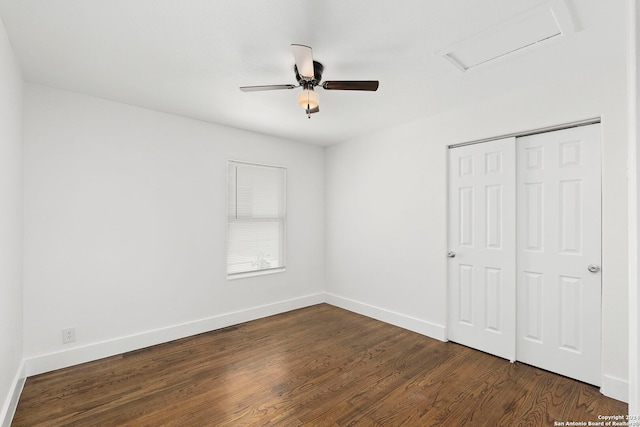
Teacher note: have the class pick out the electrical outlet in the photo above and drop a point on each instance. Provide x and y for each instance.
(68, 335)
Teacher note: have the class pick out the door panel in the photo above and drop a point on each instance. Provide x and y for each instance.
(533, 218)
(482, 234)
(559, 235)
(533, 311)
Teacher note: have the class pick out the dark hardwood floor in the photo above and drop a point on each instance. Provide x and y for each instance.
(319, 366)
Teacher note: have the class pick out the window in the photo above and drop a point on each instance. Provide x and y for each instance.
(256, 219)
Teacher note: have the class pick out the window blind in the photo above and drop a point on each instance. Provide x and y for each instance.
(256, 218)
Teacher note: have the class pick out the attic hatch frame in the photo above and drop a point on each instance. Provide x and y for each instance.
(539, 25)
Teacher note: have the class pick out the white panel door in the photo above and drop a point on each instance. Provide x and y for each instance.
(482, 278)
(559, 226)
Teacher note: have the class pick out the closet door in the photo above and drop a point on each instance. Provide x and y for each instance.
(558, 256)
(482, 263)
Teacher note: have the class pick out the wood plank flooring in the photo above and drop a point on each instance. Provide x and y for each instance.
(318, 366)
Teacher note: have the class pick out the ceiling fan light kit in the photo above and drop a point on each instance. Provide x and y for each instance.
(308, 99)
(308, 75)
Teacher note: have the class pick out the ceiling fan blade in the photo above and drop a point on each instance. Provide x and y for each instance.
(371, 85)
(266, 87)
(304, 60)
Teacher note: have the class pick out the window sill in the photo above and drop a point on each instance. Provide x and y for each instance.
(255, 273)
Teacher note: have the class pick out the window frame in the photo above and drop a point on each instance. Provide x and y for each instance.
(281, 220)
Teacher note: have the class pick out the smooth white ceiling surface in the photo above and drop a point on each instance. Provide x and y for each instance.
(189, 57)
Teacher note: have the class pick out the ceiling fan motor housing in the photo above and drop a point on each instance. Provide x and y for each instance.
(318, 68)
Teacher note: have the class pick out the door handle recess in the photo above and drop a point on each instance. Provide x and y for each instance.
(594, 268)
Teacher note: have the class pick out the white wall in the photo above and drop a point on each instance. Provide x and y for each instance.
(633, 42)
(386, 207)
(10, 223)
(125, 227)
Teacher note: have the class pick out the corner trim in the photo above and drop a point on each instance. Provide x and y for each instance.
(11, 403)
(77, 355)
(420, 326)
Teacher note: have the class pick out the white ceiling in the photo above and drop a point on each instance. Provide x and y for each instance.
(188, 57)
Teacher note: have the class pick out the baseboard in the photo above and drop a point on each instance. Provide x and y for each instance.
(9, 407)
(611, 386)
(615, 388)
(423, 327)
(77, 355)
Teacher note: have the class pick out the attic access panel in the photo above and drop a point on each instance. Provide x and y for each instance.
(538, 25)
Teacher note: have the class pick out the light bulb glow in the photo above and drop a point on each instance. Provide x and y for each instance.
(308, 99)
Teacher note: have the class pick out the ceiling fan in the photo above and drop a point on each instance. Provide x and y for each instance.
(308, 75)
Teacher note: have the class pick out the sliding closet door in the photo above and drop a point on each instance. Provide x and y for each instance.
(482, 244)
(559, 243)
